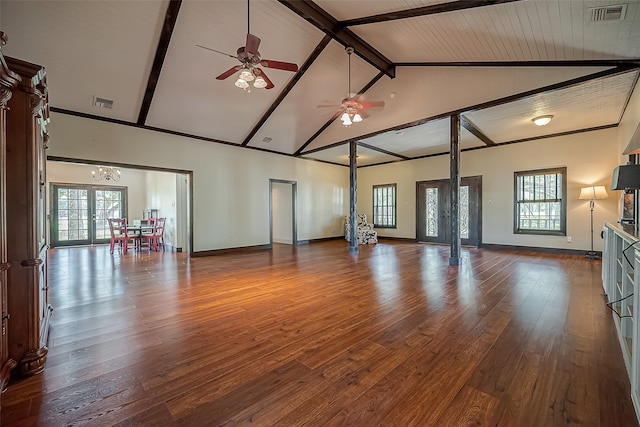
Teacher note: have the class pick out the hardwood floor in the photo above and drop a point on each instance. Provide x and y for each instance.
(313, 335)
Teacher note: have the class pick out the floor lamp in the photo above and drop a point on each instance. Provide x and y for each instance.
(593, 193)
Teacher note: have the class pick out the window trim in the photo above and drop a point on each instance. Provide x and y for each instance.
(563, 202)
(395, 205)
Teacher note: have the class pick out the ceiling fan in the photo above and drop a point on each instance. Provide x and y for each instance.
(250, 61)
(352, 108)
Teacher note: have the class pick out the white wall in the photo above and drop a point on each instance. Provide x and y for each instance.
(589, 158)
(230, 184)
(161, 195)
(69, 173)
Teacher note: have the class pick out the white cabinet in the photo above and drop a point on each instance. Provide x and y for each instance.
(620, 279)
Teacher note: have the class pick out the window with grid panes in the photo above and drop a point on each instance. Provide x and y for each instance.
(384, 206)
(540, 202)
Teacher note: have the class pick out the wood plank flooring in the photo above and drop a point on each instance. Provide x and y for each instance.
(316, 336)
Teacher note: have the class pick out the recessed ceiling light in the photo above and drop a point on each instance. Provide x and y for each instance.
(542, 120)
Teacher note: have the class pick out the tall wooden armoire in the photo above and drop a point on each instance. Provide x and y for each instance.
(8, 82)
(28, 306)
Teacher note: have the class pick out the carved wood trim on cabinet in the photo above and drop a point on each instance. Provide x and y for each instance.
(8, 82)
(27, 298)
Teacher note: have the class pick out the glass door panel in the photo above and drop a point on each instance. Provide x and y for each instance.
(79, 214)
(431, 198)
(434, 213)
(108, 205)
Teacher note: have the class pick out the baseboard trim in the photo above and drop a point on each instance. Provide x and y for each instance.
(398, 239)
(536, 249)
(320, 239)
(226, 251)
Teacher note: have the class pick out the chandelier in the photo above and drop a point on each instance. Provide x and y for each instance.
(105, 173)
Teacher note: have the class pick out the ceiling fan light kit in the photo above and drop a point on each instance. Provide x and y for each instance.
(352, 108)
(249, 57)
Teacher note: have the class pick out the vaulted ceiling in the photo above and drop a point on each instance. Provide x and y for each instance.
(497, 63)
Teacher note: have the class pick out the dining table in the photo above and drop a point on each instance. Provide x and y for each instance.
(138, 229)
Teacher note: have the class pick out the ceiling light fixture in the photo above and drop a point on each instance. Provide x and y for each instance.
(352, 109)
(105, 173)
(542, 120)
(350, 112)
(251, 62)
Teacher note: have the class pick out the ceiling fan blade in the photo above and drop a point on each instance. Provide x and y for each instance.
(252, 44)
(270, 84)
(372, 104)
(327, 105)
(231, 71)
(279, 65)
(364, 114)
(337, 114)
(217, 51)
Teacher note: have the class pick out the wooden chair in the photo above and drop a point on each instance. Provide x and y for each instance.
(156, 239)
(119, 234)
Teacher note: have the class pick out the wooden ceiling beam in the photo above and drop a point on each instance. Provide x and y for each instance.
(423, 11)
(170, 19)
(285, 91)
(331, 120)
(571, 63)
(326, 23)
(383, 151)
(471, 127)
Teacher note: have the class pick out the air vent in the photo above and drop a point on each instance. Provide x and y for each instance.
(608, 13)
(102, 102)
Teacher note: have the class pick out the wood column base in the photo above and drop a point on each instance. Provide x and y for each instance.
(33, 361)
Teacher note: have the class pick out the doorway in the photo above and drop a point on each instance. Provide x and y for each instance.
(282, 212)
(434, 213)
(80, 212)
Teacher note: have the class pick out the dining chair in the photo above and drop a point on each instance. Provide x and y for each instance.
(156, 239)
(146, 234)
(119, 234)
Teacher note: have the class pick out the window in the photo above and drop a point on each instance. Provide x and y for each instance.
(384, 206)
(540, 203)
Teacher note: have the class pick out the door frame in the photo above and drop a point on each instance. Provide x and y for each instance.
(189, 187)
(478, 180)
(91, 188)
(294, 209)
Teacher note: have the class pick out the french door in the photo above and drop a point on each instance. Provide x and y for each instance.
(80, 212)
(434, 211)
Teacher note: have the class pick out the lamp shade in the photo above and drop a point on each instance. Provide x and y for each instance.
(593, 193)
(626, 176)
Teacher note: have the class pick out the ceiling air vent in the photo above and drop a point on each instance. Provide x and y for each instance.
(608, 13)
(102, 102)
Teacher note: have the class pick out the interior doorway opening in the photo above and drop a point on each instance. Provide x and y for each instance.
(144, 189)
(282, 212)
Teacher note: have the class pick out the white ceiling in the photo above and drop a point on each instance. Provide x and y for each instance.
(497, 65)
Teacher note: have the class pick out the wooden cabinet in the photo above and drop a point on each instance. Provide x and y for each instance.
(8, 82)
(621, 282)
(27, 293)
